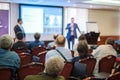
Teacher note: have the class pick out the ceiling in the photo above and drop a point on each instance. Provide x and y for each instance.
(94, 4)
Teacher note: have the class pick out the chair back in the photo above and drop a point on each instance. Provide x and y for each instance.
(106, 64)
(93, 78)
(21, 50)
(90, 64)
(90, 51)
(25, 58)
(118, 60)
(115, 76)
(30, 69)
(79, 70)
(42, 56)
(37, 50)
(5, 74)
(67, 70)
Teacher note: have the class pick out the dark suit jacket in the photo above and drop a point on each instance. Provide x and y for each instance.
(18, 29)
(19, 45)
(69, 30)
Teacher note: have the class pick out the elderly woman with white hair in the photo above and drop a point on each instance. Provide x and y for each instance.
(53, 67)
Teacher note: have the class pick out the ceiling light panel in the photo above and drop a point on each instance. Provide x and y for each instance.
(104, 2)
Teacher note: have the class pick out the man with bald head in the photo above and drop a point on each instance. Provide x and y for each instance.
(60, 49)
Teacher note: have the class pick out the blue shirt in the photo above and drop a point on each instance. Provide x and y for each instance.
(9, 59)
(66, 53)
(117, 41)
(36, 43)
(51, 44)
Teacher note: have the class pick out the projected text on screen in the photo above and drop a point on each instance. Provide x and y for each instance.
(46, 20)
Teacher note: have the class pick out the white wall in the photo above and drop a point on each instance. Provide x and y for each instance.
(14, 15)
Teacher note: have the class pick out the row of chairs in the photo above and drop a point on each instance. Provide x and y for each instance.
(106, 65)
(107, 69)
(28, 69)
(33, 68)
(40, 52)
(25, 58)
(37, 51)
(115, 76)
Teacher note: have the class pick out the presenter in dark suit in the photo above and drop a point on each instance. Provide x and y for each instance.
(72, 32)
(19, 28)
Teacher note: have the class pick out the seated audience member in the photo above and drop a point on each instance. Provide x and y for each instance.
(82, 49)
(20, 44)
(8, 58)
(117, 47)
(79, 69)
(37, 42)
(60, 50)
(52, 44)
(53, 67)
(81, 37)
(102, 51)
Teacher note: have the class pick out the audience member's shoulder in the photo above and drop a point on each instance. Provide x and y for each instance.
(13, 53)
(101, 46)
(31, 77)
(61, 78)
(68, 49)
(42, 42)
(50, 51)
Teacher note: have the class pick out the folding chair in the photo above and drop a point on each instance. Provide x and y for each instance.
(37, 50)
(30, 69)
(5, 73)
(67, 70)
(90, 64)
(106, 64)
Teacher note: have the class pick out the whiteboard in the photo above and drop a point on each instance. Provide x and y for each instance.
(92, 27)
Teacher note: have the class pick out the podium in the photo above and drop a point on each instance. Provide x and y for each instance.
(92, 37)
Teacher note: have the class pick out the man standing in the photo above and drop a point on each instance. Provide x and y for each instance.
(19, 28)
(72, 33)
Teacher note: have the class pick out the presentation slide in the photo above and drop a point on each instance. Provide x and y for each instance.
(43, 19)
(32, 19)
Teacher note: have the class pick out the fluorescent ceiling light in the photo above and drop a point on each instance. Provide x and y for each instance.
(68, 1)
(105, 2)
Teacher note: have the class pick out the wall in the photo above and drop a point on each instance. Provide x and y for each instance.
(108, 23)
(14, 14)
(107, 20)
